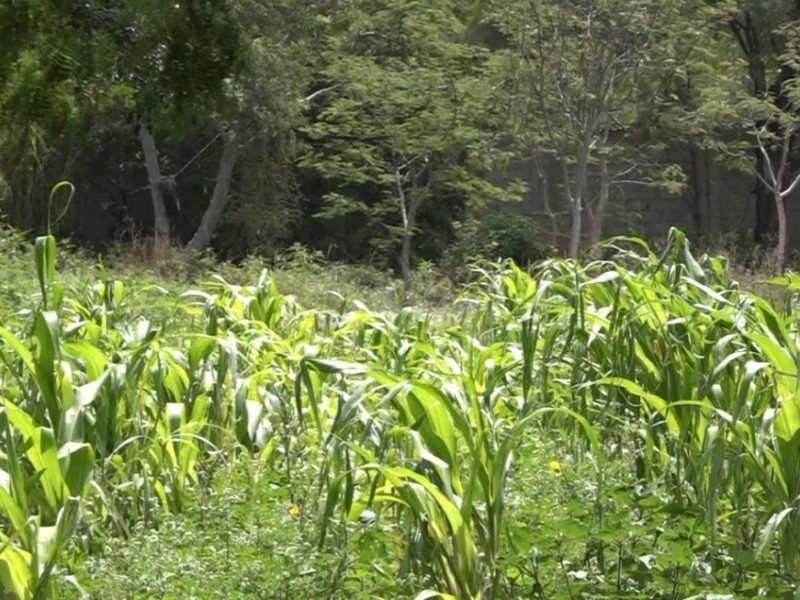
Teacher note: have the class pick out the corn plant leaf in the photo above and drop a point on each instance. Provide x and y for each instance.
(653, 400)
(86, 394)
(91, 356)
(54, 540)
(781, 360)
(427, 408)
(74, 417)
(47, 337)
(15, 571)
(175, 380)
(199, 350)
(428, 594)
(419, 490)
(787, 431)
(769, 530)
(77, 465)
(332, 366)
(45, 258)
(334, 489)
(248, 417)
(41, 451)
(20, 350)
(16, 515)
(15, 478)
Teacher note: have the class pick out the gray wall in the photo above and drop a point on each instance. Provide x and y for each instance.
(716, 200)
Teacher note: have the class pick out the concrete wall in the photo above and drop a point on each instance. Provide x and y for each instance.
(716, 200)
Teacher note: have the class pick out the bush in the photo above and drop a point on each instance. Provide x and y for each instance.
(498, 236)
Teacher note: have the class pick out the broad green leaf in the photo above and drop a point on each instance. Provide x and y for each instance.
(41, 451)
(769, 530)
(77, 465)
(15, 571)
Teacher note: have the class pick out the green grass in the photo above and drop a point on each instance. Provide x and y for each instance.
(155, 284)
(241, 538)
(625, 429)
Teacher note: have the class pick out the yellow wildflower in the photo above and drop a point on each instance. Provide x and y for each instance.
(294, 511)
(555, 466)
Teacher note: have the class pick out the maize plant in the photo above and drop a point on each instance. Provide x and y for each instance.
(654, 367)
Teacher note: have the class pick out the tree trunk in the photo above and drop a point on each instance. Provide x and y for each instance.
(711, 188)
(747, 34)
(767, 207)
(410, 222)
(577, 226)
(596, 231)
(161, 222)
(780, 249)
(543, 187)
(693, 197)
(219, 197)
(575, 195)
(405, 265)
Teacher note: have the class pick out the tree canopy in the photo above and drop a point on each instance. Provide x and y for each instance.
(376, 129)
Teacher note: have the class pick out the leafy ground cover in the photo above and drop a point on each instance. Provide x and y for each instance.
(623, 428)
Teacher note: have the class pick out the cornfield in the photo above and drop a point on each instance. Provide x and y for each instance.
(670, 394)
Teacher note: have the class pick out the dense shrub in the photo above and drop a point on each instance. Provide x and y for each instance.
(495, 237)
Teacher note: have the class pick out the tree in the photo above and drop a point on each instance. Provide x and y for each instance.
(404, 108)
(590, 84)
(64, 65)
(266, 101)
(771, 123)
(755, 24)
(199, 84)
(179, 58)
(255, 87)
(54, 73)
(775, 150)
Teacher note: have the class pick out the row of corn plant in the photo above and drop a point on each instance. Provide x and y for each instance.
(666, 347)
(657, 365)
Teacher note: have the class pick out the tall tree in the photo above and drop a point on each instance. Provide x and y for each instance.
(178, 59)
(63, 64)
(771, 123)
(755, 25)
(406, 109)
(591, 84)
(265, 102)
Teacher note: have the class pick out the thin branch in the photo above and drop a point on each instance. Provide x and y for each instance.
(762, 148)
(791, 188)
(314, 95)
(196, 156)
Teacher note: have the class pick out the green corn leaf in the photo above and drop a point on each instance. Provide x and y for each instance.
(19, 350)
(45, 257)
(53, 541)
(15, 571)
(93, 358)
(41, 451)
(16, 515)
(46, 331)
(768, 532)
(77, 466)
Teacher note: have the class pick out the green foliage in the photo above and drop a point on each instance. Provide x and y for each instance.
(596, 85)
(352, 98)
(621, 428)
(497, 236)
(407, 112)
